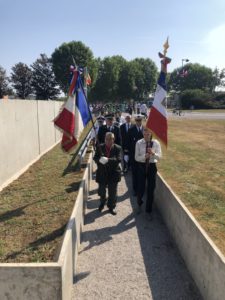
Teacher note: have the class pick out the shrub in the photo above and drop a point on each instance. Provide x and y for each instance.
(196, 98)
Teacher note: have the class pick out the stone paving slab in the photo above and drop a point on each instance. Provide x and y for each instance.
(127, 256)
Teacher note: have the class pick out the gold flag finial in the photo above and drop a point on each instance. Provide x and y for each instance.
(166, 46)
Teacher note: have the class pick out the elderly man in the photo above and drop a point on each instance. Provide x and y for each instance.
(108, 174)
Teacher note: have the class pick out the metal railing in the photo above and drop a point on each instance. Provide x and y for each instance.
(83, 149)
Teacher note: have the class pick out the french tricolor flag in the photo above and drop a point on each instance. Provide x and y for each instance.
(157, 120)
(75, 114)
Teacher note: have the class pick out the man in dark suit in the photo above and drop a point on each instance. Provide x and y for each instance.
(135, 133)
(109, 127)
(108, 174)
(124, 128)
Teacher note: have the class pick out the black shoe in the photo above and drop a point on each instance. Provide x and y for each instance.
(139, 201)
(101, 206)
(112, 212)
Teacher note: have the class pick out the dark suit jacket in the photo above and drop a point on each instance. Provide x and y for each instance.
(133, 136)
(111, 171)
(125, 137)
(102, 131)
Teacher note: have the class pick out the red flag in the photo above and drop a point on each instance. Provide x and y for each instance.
(88, 79)
(65, 121)
(157, 119)
(75, 114)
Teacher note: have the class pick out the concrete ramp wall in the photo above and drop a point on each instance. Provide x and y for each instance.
(50, 280)
(26, 133)
(203, 259)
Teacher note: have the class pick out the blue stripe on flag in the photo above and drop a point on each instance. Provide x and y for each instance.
(162, 80)
(81, 103)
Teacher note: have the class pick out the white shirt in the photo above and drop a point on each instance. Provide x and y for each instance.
(140, 151)
(93, 131)
(122, 119)
(143, 108)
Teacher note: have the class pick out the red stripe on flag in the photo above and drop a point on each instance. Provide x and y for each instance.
(68, 143)
(73, 83)
(157, 123)
(66, 121)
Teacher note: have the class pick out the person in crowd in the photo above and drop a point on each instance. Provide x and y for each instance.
(109, 127)
(138, 108)
(94, 132)
(124, 128)
(147, 154)
(120, 118)
(144, 110)
(135, 133)
(108, 174)
(130, 109)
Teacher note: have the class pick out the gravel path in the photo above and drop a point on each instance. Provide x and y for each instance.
(127, 256)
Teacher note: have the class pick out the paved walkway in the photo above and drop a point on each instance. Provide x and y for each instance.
(127, 256)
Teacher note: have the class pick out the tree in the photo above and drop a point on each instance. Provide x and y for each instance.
(21, 78)
(218, 79)
(63, 57)
(106, 87)
(126, 84)
(145, 77)
(4, 89)
(43, 80)
(195, 97)
(195, 76)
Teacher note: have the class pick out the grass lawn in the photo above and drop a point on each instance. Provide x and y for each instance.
(194, 166)
(35, 209)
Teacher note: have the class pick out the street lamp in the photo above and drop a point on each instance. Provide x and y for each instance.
(184, 60)
(182, 74)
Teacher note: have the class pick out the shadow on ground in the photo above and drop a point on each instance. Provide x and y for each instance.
(167, 274)
(102, 235)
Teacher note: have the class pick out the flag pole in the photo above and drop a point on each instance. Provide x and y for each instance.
(73, 59)
(93, 126)
(85, 82)
(157, 119)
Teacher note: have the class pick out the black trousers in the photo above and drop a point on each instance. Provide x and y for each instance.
(134, 169)
(112, 193)
(126, 165)
(146, 174)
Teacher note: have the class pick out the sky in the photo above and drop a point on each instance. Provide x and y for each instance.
(196, 29)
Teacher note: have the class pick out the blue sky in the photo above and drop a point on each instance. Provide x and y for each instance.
(196, 29)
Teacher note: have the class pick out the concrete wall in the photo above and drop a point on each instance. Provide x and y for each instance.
(30, 281)
(203, 259)
(26, 133)
(47, 281)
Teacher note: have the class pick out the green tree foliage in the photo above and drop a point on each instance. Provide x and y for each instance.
(196, 77)
(196, 98)
(63, 57)
(43, 79)
(119, 79)
(107, 83)
(4, 88)
(145, 72)
(126, 84)
(218, 79)
(21, 78)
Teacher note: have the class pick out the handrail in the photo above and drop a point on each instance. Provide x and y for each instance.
(83, 149)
